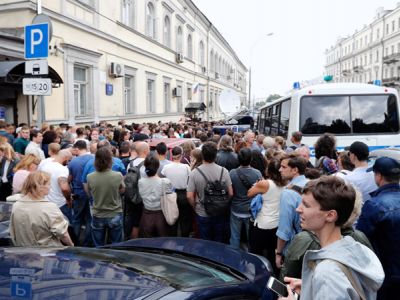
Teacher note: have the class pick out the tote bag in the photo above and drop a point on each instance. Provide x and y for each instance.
(169, 206)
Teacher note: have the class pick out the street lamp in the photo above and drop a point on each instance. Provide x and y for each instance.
(251, 54)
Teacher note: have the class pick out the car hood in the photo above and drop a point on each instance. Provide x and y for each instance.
(252, 266)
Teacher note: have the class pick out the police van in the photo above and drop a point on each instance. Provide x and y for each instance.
(351, 111)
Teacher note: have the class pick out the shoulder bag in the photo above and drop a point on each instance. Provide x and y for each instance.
(169, 206)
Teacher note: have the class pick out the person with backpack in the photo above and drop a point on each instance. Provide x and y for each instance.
(209, 191)
(133, 205)
(342, 268)
(243, 179)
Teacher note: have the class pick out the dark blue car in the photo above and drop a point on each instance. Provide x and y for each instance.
(162, 268)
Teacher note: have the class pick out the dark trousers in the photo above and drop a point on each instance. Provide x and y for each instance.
(132, 216)
(213, 228)
(153, 224)
(5, 190)
(185, 219)
(263, 242)
(82, 216)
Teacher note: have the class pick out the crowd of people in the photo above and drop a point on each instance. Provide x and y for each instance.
(335, 223)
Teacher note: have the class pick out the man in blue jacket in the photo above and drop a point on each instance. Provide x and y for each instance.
(380, 221)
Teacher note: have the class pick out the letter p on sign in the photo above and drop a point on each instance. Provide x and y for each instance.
(37, 41)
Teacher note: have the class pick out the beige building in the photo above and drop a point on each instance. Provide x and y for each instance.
(154, 57)
(372, 53)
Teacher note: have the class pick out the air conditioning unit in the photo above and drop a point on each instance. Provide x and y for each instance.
(203, 69)
(216, 75)
(177, 92)
(117, 70)
(179, 58)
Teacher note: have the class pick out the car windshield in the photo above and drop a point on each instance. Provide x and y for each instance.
(177, 270)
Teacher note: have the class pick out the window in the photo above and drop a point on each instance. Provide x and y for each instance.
(377, 33)
(320, 114)
(167, 97)
(189, 92)
(387, 28)
(201, 53)
(392, 49)
(212, 63)
(369, 113)
(167, 31)
(128, 10)
(398, 47)
(393, 24)
(179, 99)
(274, 120)
(380, 117)
(284, 119)
(151, 103)
(377, 56)
(150, 21)
(81, 87)
(179, 40)
(129, 94)
(189, 46)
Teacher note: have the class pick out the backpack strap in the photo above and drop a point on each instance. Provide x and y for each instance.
(204, 176)
(222, 173)
(312, 265)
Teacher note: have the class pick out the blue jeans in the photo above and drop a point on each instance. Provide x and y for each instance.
(212, 228)
(101, 225)
(81, 216)
(236, 229)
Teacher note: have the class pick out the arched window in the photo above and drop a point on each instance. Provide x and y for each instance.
(179, 40)
(220, 65)
(167, 31)
(201, 53)
(150, 20)
(128, 12)
(212, 61)
(189, 46)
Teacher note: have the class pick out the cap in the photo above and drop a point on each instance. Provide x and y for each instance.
(387, 166)
(360, 150)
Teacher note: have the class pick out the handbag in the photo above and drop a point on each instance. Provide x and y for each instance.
(169, 206)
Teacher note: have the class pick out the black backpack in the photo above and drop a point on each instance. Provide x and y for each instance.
(216, 198)
(131, 184)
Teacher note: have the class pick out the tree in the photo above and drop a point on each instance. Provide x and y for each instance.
(273, 97)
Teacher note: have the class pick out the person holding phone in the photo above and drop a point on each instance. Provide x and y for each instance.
(342, 268)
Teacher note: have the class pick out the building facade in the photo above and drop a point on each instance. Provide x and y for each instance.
(139, 60)
(372, 53)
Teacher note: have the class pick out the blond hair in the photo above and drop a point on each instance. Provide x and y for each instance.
(8, 150)
(33, 183)
(54, 148)
(26, 162)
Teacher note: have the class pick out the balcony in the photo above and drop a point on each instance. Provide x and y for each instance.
(358, 69)
(392, 58)
(392, 81)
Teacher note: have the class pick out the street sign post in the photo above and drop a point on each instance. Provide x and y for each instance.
(36, 86)
(36, 41)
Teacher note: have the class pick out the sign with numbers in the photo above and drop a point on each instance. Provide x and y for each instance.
(36, 86)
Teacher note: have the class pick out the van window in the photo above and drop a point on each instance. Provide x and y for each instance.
(320, 114)
(374, 114)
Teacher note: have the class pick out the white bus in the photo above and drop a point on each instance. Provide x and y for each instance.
(351, 111)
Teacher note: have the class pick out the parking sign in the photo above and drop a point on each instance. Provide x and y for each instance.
(37, 41)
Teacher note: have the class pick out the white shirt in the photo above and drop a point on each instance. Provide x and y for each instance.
(268, 216)
(178, 174)
(363, 181)
(56, 171)
(6, 165)
(35, 149)
(45, 161)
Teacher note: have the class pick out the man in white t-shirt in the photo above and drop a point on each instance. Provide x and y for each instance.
(34, 145)
(178, 174)
(60, 190)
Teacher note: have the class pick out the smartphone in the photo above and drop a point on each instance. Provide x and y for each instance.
(277, 286)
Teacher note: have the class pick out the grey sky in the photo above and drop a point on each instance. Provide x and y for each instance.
(303, 30)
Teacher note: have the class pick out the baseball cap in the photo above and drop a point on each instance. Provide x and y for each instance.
(360, 150)
(386, 166)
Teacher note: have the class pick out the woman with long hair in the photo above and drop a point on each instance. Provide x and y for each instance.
(226, 157)
(325, 154)
(262, 237)
(29, 163)
(35, 221)
(196, 158)
(8, 160)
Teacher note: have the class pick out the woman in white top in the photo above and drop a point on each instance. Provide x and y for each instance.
(262, 235)
(152, 222)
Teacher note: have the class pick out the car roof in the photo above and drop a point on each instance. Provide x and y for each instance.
(171, 142)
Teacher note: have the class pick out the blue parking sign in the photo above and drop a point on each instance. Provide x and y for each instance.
(37, 41)
(21, 290)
